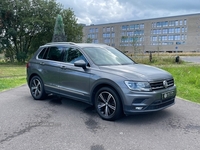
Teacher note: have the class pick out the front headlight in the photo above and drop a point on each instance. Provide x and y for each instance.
(138, 86)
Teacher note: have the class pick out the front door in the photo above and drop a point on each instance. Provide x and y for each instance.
(74, 81)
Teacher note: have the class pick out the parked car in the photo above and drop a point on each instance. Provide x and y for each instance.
(99, 75)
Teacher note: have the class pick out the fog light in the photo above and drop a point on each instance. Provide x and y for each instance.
(138, 108)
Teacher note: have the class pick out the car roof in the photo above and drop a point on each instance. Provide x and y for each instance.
(82, 45)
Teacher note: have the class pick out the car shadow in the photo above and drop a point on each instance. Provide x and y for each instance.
(145, 118)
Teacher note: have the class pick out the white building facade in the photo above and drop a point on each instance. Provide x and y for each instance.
(167, 34)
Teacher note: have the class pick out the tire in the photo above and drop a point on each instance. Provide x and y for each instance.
(107, 104)
(37, 88)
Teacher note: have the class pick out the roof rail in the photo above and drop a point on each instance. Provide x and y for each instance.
(60, 43)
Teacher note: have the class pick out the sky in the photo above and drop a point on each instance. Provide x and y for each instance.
(111, 11)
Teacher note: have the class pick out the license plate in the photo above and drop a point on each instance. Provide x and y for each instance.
(168, 94)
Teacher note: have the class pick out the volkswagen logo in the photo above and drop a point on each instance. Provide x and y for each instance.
(165, 84)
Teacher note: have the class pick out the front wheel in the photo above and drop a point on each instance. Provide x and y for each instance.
(107, 104)
(37, 88)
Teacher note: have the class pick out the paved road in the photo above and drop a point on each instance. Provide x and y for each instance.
(53, 124)
(193, 59)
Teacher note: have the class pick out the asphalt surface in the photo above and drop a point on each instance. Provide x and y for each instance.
(192, 59)
(53, 124)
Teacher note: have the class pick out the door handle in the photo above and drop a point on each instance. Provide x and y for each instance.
(63, 67)
(42, 63)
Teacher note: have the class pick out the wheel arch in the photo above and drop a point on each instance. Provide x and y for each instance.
(31, 76)
(109, 84)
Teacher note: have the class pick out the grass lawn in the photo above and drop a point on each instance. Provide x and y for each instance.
(12, 76)
(187, 78)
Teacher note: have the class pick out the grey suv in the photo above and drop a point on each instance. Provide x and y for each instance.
(99, 75)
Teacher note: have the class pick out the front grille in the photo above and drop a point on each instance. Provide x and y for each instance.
(159, 84)
(160, 104)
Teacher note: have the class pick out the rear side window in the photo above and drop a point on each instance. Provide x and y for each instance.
(52, 53)
(41, 55)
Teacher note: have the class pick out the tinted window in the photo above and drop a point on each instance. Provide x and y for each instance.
(107, 56)
(40, 56)
(54, 53)
(73, 55)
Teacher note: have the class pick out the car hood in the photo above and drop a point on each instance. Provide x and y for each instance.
(137, 72)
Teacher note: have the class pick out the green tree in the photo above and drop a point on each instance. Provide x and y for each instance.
(27, 24)
(59, 33)
(89, 40)
(122, 46)
(73, 30)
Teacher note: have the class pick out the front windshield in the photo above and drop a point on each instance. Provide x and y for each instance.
(102, 56)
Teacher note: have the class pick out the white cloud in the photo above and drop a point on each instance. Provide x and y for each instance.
(108, 11)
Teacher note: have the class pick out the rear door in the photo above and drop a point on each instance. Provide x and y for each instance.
(49, 67)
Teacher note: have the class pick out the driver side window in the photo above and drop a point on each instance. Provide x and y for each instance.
(73, 54)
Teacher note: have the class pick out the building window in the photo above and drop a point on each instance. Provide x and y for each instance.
(130, 33)
(177, 37)
(106, 40)
(104, 29)
(164, 38)
(165, 31)
(95, 41)
(107, 34)
(181, 22)
(108, 29)
(90, 30)
(137, 26)
(171, 30)
(185, 22)
(170, 37)
(176, 23)
(97, 30)
(185, 29)
(158, 24)
(125, 27)
(153, 25)
(159, 31)
(183, 37)
(154, 38)
(112, 29)
(132, 27)
(113, 34)
(123, 33)
(171, 23)
(165, 24)
(177, 30)
(142, 26)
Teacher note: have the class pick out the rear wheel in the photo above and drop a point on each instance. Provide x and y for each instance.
(107, 104)
(37, 88)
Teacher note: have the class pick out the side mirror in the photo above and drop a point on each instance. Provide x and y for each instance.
(80, 63)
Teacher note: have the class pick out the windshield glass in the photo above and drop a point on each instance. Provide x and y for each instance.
(102, 56)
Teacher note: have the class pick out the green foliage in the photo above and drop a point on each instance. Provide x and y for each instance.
(8, 83)
(27, 24)
(89, 40)
(59, 33)
(72, 29)
(187, 80)
(12, 76)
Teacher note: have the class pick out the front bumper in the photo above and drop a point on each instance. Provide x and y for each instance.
(141, 102)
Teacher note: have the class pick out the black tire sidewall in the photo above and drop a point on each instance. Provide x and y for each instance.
(118, 110)
(43, 94)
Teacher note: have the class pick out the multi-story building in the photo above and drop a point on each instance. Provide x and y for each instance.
(167, 34)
